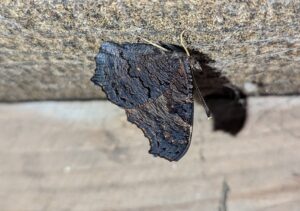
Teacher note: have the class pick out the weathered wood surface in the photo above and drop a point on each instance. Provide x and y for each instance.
(47, 48)
(86, 156)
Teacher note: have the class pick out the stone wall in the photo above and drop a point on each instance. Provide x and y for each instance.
(48, 47)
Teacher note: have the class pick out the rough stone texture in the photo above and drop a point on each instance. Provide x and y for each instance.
(87, 156)
(47, 48)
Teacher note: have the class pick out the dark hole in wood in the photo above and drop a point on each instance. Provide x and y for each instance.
(227, 102)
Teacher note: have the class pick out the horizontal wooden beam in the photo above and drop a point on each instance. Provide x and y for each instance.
(87, 156)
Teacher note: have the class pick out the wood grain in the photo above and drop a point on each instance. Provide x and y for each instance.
(86, 156)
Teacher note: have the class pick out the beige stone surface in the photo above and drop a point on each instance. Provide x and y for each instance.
(86, 156)
(47, 48)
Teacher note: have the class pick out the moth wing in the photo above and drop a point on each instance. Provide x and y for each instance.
(155, 88)
(131, 74)
(167, 120)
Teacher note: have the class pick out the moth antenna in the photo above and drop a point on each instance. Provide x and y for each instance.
(154, 44)
(182, 43)
(207, 110)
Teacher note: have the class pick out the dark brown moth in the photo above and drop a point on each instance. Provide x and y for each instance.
(155, 87)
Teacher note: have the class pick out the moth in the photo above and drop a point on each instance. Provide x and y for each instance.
(155, 87)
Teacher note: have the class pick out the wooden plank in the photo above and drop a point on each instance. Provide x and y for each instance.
(86, 156)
